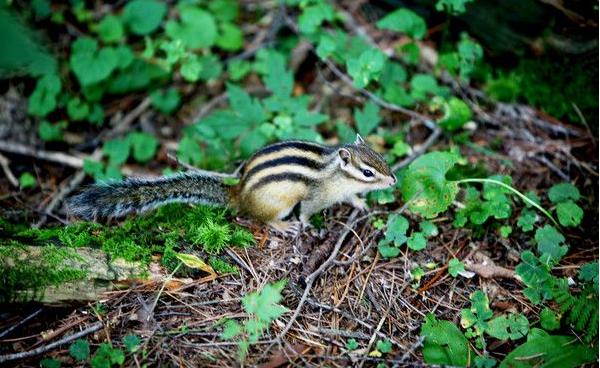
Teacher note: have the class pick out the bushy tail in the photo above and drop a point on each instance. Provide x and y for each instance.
(119, 198)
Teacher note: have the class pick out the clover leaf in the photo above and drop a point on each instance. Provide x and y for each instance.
(569, 213)
(43, 99)
(89, 64)
(563, 192)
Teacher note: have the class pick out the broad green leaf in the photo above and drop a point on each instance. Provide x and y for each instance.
(137, 76)
(238, 69)
(277, 78)
(224, 10)
(417, 241)
(326, 46)
(550, 244)
(196, 28)
(43, 99)
(513, 327)
(189, 151)
(425, 85)
(89, 64)
(117, 150)
(563, 192)
(247, 108)
(444, 344)
(77, 109)
(549, 320)
(230, 37)
(455, 267)
(80, 350)
(569, 213)
(428, 228)
(314, 15)
(425, 184)
(549, 351)
(388, 250)
(366, 68)
(144, 146)
(367, 119)
(211, 67)
(132, 342)
(456, 114)
(110, 29)
(166, 101)
(49, 132)
(143, 17)
(405, 21)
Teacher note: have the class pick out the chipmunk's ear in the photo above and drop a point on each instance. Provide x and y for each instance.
(344, 155)
(359, 139)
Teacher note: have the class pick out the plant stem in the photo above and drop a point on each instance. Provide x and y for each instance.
(519, 194)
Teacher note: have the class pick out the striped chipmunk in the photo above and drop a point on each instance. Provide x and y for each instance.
(280, 180)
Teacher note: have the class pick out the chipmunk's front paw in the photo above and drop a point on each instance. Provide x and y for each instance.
(287, 228)
(359, 203)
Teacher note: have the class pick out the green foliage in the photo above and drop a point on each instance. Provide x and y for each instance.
(142, 17)
(384, 346)
(425, 184)
(453, 7)
(456, 113)
(580, 311)
(91, 64)
(563, 192)
(314, 15)
(455, 267)
(107, 356)
(49, 132)
(549, 351)
(416, 241)
(197, 27)
(352, 344)
(443, 343)
(264, 308)
(526, 220)
(222, 267)
(50, 363)
(405, 21)
(368, 119)
(27, 180)
(166, 101)
(549, 320)
(550, 245)
(366, 68)
(569, 214)
(80, 350)
(43, 100)
(395, 236)
(111, 29)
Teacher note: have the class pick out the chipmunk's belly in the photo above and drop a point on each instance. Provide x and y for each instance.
(274, 200)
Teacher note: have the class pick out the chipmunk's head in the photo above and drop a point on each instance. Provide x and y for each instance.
(366, 167)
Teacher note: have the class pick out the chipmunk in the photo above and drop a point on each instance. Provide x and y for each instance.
(278, 181)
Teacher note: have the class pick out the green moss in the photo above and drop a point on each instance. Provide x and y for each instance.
(166, 231)
(221, 266)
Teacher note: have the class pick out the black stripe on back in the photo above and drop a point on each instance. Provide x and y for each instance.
(293, 177)
(304, 146)
(286, 160)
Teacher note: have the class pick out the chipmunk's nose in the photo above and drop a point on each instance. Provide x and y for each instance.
(392, 180)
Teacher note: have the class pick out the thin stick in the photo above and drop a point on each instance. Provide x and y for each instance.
(58, 157)
(93, 328)
(4, 162)
(20, 323)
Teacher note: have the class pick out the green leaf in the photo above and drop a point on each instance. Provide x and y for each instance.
(455, 267)
(326, 46)
(49, 132)
(117, 151)
(106, 356)
(405, 21)
(27, 180)
(589, 272)
(277, 78)
(563, 192)
(428, 228)
(444, 344)
(245, 107)
(314, 15)
(367, 119)
(50, 363)
(366, 68)
(417, 241)
(388, 251)
(89, 64)
(43, 99)
(132, 342)
(265, 304)
(526, 220)
(384, 346)
(144, 146)
(425, 184)
(189, 150)
(197, 28)
(397, 225)
(110, 29)
(230, 37)
(456, 114)
(238, 69)
(137, 76)
(454, 7)
(143, 17)
(231, 330)
(352, 344)
(550, 244)
(569, 214)
(469, 53)
(549, 320)
(224, 10)
(536, 276)
(80, 350)
(479, 313)
(93, 168)
(513, 327)
(505, 231)
(425, 85)
(191, 69)
(401, 149)
(77, 109)
(166, 101)
(549, 351)
(211, 67)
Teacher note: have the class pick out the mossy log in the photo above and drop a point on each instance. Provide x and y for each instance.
(57, 275)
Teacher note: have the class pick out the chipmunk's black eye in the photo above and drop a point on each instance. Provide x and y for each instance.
(368, 173)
